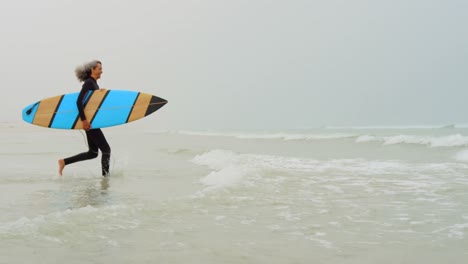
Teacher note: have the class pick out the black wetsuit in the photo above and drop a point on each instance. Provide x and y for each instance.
(95, 137)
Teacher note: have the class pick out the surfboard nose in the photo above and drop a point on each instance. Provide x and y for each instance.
(155, 104)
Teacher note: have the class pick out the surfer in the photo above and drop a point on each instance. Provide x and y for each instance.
(89, 73)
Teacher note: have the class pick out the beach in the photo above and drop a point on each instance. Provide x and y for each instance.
(312, 195)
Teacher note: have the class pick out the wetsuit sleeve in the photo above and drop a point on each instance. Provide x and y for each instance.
(87, 86)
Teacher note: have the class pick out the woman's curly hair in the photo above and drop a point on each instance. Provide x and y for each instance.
(83, 72)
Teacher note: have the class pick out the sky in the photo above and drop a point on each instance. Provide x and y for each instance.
(247, 64)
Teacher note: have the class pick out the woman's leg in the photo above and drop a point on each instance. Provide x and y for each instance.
(100, 141)
(90, 154)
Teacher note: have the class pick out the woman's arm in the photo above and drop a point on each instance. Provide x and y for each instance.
(87, 87)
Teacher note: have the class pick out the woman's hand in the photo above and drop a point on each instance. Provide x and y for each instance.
(86, 125)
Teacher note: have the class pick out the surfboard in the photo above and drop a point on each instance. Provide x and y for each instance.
(103, 108)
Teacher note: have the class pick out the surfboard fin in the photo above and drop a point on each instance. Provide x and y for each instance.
(28, 112)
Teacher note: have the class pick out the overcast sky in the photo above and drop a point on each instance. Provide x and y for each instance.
(242, 64)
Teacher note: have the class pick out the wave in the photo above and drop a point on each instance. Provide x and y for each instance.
(449, 126)
(231, 169)
(455, 140)
(71, 222)
(280, 135)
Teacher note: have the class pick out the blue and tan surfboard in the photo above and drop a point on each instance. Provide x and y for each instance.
(104, 108)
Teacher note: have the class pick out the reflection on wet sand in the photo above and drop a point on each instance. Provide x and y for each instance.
(87, 192)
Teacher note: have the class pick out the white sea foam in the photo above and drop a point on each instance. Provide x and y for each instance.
(225, 177)
(455, 140)
(367, 138)
(454, 231)
(462, 155)
(69, 221)
(231, 168)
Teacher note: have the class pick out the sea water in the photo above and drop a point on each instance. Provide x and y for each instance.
(328, 195)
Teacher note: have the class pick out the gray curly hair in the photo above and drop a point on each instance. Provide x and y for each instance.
(83, 72)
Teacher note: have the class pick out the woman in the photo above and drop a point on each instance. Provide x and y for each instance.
(89, 73)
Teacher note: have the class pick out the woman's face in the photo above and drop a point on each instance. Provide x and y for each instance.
(97, 71)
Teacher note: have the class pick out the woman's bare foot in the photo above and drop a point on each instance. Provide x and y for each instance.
(61, 166)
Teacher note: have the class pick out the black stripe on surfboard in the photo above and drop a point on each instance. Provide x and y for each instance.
(155, 104)
(99, 106)
(133, 105)
(55, 111)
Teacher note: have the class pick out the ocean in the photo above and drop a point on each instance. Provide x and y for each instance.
(320, 195)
